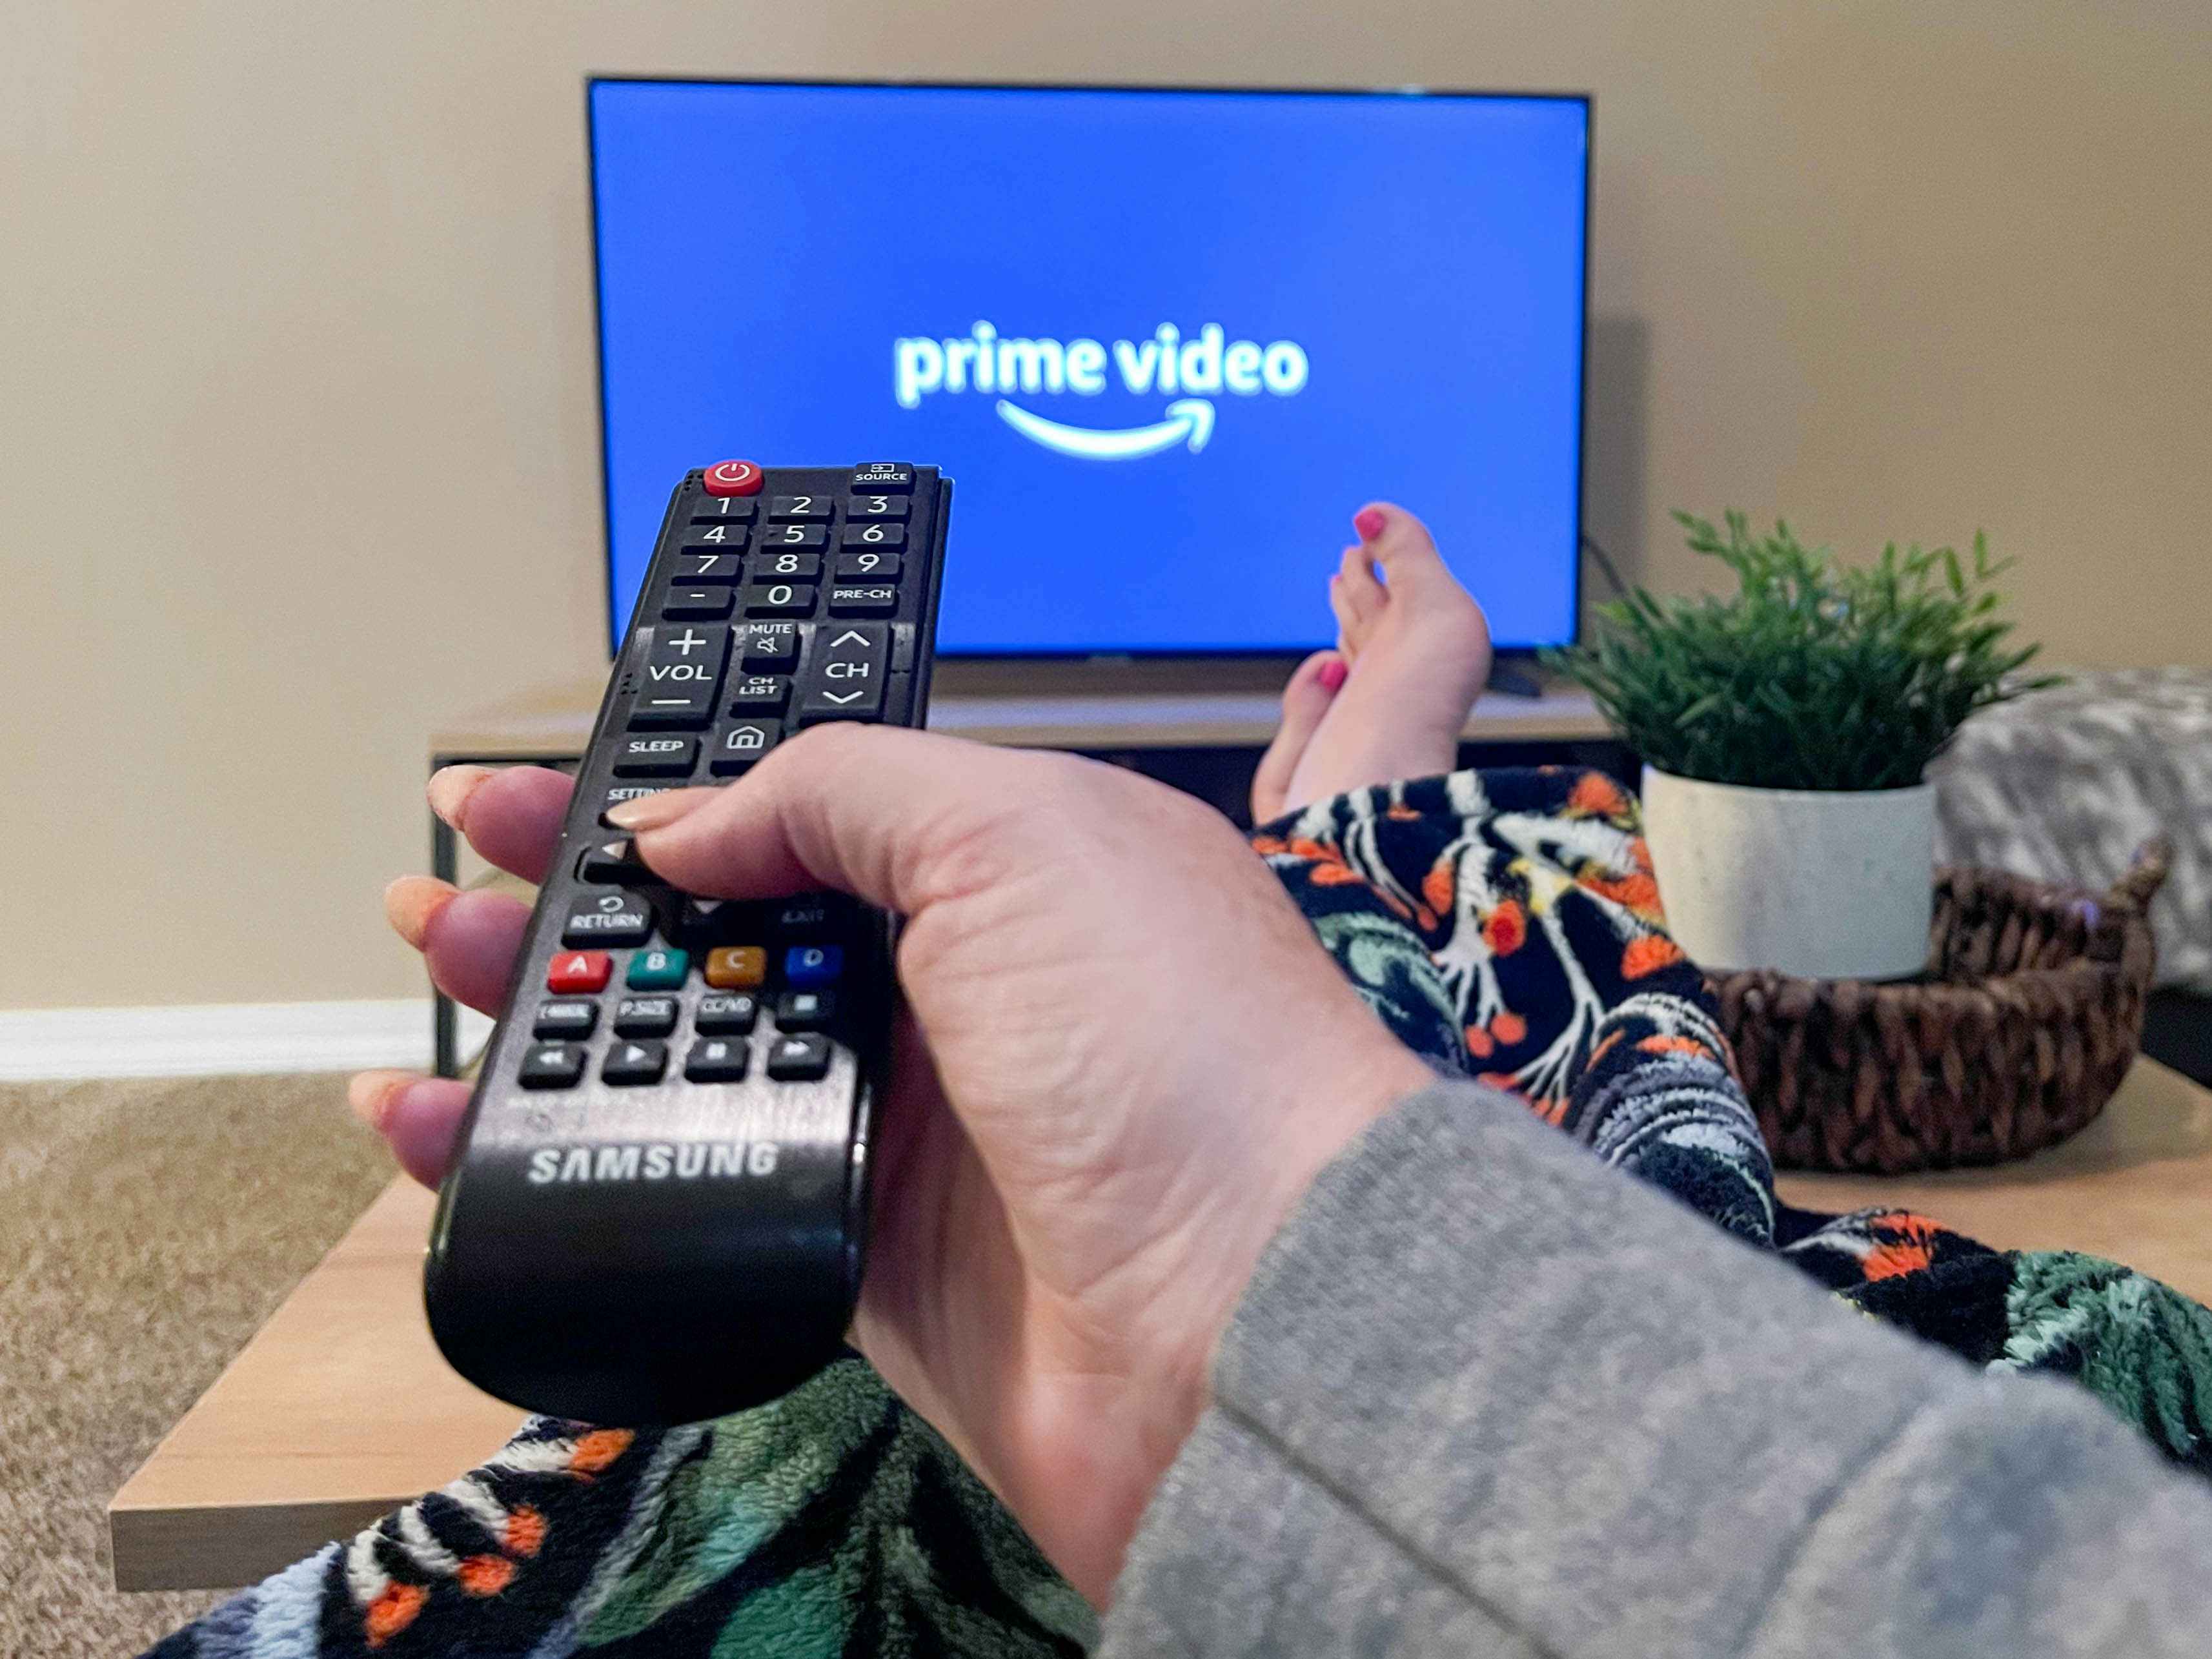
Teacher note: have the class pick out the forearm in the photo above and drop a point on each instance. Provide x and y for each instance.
(1483, 1389)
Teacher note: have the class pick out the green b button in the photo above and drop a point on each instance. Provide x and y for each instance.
(659, 970)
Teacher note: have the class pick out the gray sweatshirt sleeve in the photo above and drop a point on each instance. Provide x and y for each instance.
(1486, 1396)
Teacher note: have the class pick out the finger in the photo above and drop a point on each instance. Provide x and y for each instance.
(470, 944)
(862, 809)
(416, 1115)
(419, 1117)
(512, 816)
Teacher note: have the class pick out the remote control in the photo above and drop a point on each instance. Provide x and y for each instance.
(658, 1204)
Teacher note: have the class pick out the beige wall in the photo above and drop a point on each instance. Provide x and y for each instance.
(297, 444)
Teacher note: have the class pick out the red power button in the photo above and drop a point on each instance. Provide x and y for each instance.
(733, 478)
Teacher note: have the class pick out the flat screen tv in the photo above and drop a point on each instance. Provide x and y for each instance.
(1166, 342)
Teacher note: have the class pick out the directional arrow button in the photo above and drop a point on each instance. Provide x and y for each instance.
(844, 676)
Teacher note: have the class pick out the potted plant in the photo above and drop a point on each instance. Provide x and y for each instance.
(1786, 731)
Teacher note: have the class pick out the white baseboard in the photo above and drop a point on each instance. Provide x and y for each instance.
(215, 1038)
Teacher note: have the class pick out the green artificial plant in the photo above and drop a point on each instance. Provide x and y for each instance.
(1813, 674)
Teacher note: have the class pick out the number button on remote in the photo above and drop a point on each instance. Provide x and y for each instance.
(736, 967)
(638, 1017)
(662, 970)
(700, 566)
(633, 1063)
(714, 539)
(552, 1065)
(775, 536)
(875, 507)
(697, 604)
(720, 509)
(727, 1015)
(657, 757)
(799, 507)
(780, 599)
(565, 1019)
(874, 535)
(579, 970)
(798, 1059)
(804, 1011)
(620, 918)
(787, 567)
(715, 1060)
(868, 567)
(741, 745)
(883, 477)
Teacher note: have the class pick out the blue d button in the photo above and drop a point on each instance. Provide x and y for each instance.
(813, 964)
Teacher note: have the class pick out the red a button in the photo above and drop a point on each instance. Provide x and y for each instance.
(733, 478)
(579, 970)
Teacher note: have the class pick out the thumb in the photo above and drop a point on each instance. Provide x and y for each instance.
(855, 808)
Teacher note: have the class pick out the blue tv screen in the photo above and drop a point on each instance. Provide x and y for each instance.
(1166, 343)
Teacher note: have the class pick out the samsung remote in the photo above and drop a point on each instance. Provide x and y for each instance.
(658, 1204)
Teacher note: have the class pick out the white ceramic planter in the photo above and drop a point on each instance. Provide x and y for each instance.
(1822, 884)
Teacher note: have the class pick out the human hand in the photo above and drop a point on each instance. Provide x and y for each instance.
(1125, 1059)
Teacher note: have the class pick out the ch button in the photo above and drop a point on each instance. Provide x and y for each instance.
(844, 678)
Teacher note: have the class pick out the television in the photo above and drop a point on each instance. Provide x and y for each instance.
(1165, 342)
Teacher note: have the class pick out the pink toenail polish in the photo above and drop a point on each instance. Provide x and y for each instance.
(1332, 675)
(1369, 522)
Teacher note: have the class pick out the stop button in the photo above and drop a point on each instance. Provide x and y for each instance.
(733, 478)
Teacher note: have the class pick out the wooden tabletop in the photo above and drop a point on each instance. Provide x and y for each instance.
(1044, 706)
(340, 1407)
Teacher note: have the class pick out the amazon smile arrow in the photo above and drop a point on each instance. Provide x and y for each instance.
(1190, 421)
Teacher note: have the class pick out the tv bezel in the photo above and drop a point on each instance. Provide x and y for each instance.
(1249, 654)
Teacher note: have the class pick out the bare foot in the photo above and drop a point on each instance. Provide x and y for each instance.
(1418, 652)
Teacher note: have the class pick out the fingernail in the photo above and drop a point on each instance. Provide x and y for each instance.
(369, 1094)
(1369, 521)
(658, 811)
(411, 901)
(1332, 674)
(450, 787)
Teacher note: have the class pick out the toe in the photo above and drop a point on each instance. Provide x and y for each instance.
(1400, 543)
(1312, 687)
(1357, 598)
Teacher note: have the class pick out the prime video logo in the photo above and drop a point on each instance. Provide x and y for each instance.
(1190, 372)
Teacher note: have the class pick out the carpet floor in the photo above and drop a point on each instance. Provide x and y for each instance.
(148, 1227)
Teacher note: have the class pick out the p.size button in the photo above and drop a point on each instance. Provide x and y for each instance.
(616, 917)
(733, 478)
(644, 1016)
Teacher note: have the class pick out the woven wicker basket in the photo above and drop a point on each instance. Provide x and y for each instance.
(2023, 1025)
